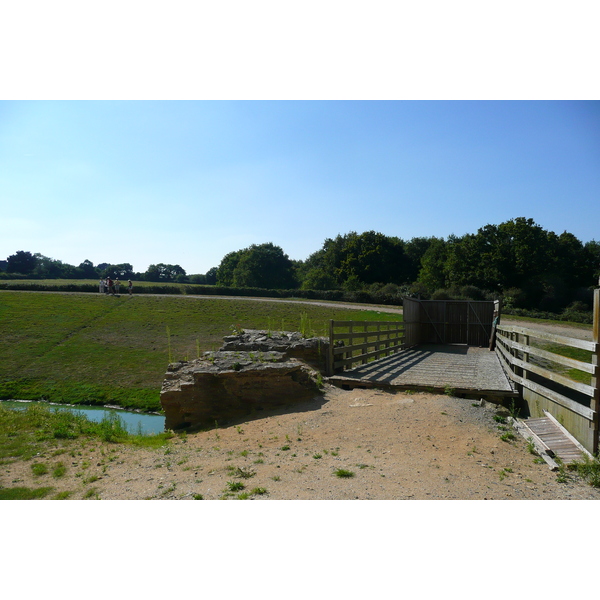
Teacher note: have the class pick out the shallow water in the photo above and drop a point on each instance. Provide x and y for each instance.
(134, 422)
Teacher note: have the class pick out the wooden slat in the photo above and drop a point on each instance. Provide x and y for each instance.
(360, 357)
(557, 358)
(543, 335)
(588, 390)
(366, 334)
(364, 323)
(560, 379)
(580, 409)
(555, 437)
(567, 433)
(384, 336)
(363, 347)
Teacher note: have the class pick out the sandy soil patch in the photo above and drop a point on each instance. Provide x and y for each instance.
(396, 446)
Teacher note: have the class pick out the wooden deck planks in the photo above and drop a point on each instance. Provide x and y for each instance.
(460, 367)
(555, 438)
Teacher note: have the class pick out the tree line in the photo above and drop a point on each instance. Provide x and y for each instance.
(24, 264)
(518, 261)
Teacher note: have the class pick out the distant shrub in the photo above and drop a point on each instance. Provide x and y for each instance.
(441, 295)
(567, 315)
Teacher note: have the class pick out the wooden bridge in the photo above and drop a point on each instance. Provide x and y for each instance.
(450, 346)
(440, 346)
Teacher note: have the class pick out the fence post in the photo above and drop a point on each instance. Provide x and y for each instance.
(330, 350)
(595, 404)
(525, 356)
(350, 343)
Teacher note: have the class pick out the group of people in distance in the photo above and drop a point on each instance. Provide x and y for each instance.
(109, 286)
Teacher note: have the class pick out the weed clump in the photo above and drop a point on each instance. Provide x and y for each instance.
(343, 473)
(39, 469)
(589, 469)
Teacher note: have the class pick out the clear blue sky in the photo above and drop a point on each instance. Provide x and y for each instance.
(185, 182)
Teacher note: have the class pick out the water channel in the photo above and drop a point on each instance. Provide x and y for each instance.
(135, 422)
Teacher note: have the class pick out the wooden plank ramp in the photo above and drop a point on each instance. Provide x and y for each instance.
(554, 439)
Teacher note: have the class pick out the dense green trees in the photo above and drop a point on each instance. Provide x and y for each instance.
(353, 261)
(517, 260)
(21, 262)
(164, 272)
(261, 266)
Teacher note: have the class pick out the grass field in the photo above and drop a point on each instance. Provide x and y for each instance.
(83, 282)
(96, 349)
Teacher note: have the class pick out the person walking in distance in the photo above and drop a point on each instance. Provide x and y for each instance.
(130, 287)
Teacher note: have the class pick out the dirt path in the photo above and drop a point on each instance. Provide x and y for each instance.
(584, 332)
(397, 446)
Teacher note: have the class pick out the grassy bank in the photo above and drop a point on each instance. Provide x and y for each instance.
(54, 441)
(96, 349)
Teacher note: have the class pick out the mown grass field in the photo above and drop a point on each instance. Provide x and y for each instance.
(97, 349)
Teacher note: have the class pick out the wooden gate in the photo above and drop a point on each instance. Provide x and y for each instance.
(448, 321)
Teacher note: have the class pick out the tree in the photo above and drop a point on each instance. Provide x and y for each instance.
(49, 268)
(592, 263)
(372, 257)
(433, 265)
(317, 272)
(354, 261)
(264, 266)
(164, 272)
(318, 279)
(211, 276)
(228, 264)
(414, 251)
(86, 270)
(21, 262)
(120, 271)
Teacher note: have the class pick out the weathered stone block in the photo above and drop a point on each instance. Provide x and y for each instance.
(224, 385)
(312, 351)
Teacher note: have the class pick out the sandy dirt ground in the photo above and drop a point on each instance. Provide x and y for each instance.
(392, 446)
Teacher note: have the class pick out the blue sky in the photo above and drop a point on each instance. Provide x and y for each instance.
(185, 182)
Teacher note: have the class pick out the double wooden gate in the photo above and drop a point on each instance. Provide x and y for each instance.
(448, 321)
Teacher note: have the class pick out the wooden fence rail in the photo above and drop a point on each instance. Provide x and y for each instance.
(352, 342)
(575, 404)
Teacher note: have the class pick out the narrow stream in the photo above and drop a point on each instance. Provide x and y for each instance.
(134, 422)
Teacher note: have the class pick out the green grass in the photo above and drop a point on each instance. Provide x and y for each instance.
(59, 470)
(343, 473)
(589, 469)
(25, 434)
(549, 321)
(39, 469)
(574, 353)
(23, 493)
(235, 486)
(93, 349)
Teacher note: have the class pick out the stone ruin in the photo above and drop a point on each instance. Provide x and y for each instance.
(253, 371)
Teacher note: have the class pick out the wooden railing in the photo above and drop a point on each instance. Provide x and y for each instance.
(575, 404)
(352, 342)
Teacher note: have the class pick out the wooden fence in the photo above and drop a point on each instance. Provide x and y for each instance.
(448, 321)
(574, 404)
(352, 342)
